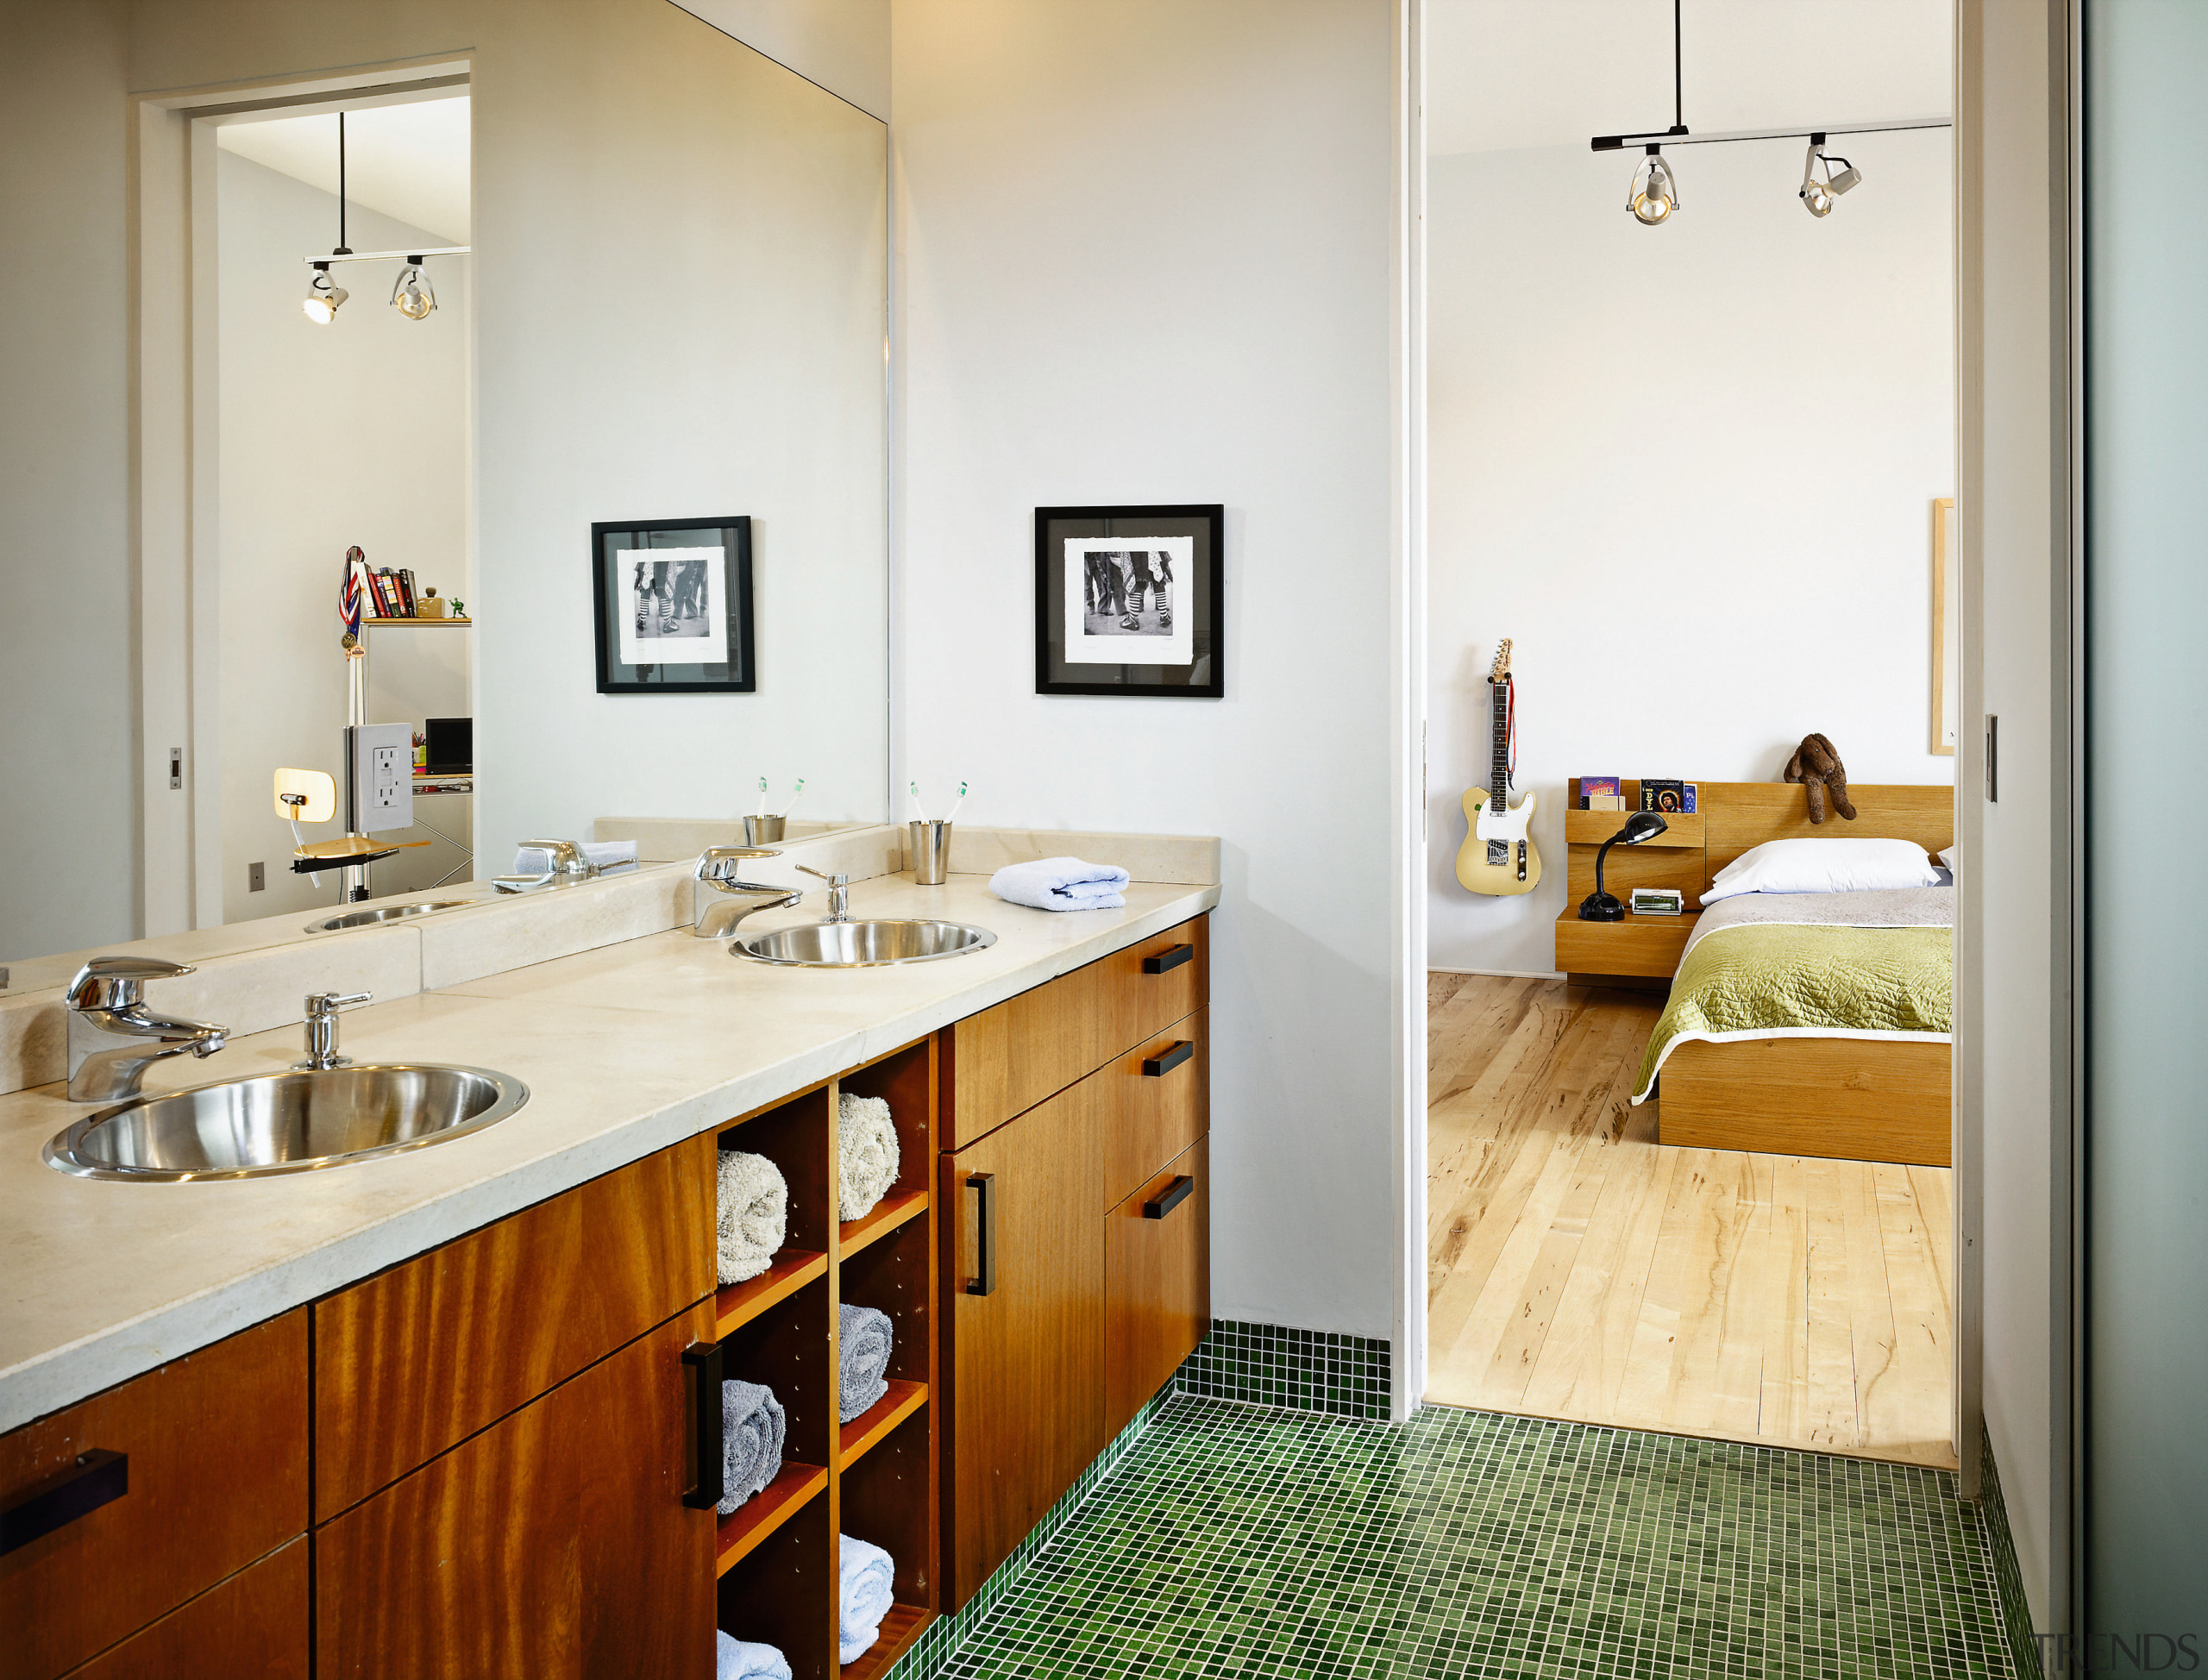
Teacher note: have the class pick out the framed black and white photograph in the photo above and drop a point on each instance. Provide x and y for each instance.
(1127, 600)
(672, 602)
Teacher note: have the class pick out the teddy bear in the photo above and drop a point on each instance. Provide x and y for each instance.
(1816, 766)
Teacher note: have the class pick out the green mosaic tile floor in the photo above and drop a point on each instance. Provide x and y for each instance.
(1238, 1540)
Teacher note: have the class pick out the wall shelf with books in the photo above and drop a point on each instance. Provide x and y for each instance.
(418, 624)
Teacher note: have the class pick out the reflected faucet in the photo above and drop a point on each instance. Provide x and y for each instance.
(718, 916)
(114, 1038)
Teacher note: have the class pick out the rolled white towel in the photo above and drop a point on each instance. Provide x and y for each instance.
(1062, 883)
(738, 1659)
(607, 854)
(754, 1214)
(753, 1429)
(864, 1577)
(866, 1154)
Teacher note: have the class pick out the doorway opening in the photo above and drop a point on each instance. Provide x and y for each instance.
(1688, 1159)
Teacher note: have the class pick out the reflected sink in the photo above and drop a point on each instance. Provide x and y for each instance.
(862, 944)
(284, 1122)
(394, 912)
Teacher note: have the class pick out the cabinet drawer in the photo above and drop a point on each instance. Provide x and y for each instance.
(1005, 1060)
(556, 1542)
(1149, 1118)
(424, 1355)
(215, 1476)
(1157, 1283)
(255, 1623)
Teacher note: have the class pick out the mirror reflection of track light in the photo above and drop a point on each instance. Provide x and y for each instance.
(1654, 194)
(323, 296)
(411, 294)
(1818, 196)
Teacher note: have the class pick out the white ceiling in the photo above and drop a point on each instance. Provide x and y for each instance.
(1502, 74)
(410, 161)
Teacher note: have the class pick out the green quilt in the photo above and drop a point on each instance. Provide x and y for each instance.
(1764, 980)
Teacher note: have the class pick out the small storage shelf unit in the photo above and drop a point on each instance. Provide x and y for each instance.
(1640, 951)
(875, 1478)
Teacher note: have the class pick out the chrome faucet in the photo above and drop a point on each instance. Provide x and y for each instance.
(839, 892)
(718, 917)
(568, 866)
(114, 1038)
(322, 1031)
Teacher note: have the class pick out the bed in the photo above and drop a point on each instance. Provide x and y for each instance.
(1812, 1024)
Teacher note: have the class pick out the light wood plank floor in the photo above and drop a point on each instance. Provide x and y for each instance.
(1577, 1269)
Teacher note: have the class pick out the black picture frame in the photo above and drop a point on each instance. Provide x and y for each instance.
(616, 546)
(1200, 595)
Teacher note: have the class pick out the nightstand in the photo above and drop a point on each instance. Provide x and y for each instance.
(1640, 950)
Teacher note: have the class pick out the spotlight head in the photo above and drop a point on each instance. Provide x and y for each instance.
(1819, 196)
(411, 294)
(323, 296)
(1654, 193)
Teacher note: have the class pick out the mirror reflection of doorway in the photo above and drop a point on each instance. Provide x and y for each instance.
(334, 433)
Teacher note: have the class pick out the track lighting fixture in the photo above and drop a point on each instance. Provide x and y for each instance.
(411, 294)
(1818, 196)
(1653, 195)
(323, 296)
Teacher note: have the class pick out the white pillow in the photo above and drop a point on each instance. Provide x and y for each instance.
(1823, 866)
(1947, 857)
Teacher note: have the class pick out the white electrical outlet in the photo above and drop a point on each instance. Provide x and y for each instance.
(381, 797)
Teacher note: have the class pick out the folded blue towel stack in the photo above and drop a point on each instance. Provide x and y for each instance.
(740, 1659)
(1062, 883)
(865, 1575)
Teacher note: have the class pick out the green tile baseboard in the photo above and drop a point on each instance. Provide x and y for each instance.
(1303, 1371)
(2001, 1554)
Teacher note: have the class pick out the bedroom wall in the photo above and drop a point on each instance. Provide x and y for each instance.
(1144, 257)
(1689, 470)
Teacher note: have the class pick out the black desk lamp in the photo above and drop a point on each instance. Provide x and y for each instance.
(1600, 906)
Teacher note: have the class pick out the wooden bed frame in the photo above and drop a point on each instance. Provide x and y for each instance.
(1853, 1098)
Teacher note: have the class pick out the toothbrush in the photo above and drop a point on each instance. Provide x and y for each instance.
(960, 800)
(762, 796)
(919, 813)
(796, 794)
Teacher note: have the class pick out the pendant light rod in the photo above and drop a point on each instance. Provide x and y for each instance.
(1678, 87)
(1680, 137)
(342, 246)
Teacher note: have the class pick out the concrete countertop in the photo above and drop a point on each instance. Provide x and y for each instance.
(625, 1050)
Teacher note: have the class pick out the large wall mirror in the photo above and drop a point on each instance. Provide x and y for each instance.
(609, 269)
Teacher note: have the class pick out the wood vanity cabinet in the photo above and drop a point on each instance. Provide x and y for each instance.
(1061, 1323)
(126, 1509)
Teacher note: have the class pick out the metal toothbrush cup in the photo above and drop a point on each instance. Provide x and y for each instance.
(931, 852)
(762, 831)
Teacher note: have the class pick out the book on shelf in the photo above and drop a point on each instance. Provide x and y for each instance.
(1594, 791)
(1673, 797)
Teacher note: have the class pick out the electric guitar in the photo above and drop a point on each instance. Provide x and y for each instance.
(1498, 857)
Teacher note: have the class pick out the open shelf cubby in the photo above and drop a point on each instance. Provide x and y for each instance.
(874, 1477)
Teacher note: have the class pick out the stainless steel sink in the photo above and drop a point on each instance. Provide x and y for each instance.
(393, 912)
(862, 944)
(284, 1122)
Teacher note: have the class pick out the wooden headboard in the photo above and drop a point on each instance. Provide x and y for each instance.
(1737, 815)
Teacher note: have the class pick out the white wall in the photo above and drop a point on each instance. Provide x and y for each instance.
(844, 44)
(1689, 470)
(332, 435)
(69, 837)
(1144, 257)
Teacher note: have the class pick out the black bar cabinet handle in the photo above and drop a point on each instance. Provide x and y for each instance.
(1172, 957)
(1157, 1067)
(1175, 1194)
(704, 1360)
(986, 1255)
(57, 1501)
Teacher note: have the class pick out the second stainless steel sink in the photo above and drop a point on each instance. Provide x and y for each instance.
(284, 1122)
(390, 912)
(862, 944)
